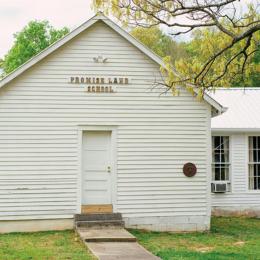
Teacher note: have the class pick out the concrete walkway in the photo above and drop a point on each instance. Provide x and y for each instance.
(119, 251)
(113, 244)
(105, 235)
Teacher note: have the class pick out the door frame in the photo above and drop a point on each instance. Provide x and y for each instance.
(113, 130)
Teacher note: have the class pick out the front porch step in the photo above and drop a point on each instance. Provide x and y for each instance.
(105, 235)
(99, 221)
(98, 216)
(100, 224)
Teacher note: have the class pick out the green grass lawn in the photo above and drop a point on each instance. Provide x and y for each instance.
(230, 238)
(60, 245)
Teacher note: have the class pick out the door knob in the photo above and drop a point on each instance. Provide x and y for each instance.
(108, 169)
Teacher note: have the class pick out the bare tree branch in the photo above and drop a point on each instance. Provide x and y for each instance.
(185, 16)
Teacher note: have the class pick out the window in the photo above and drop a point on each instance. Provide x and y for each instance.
(220, 158)
(254, 163)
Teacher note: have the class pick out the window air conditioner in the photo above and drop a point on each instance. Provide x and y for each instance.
(219, 187)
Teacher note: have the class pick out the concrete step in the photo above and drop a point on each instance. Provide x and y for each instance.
(94, 217)
(100, 224)
(105, 235)
(119, 251)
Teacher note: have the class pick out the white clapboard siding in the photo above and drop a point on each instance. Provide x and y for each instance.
(240, 198)
(156, 134)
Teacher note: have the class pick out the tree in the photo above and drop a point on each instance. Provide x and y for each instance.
(193, 50)
(162, 44)
(33, 38)
(255, 77)
(204, 42)
(1, 70)
(237, 32)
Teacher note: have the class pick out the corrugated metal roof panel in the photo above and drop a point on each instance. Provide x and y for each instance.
(243, 109)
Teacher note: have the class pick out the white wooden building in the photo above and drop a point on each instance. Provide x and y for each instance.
(236, 152)
(81, 125)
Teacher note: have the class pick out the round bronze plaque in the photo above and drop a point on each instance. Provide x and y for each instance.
(189, 169)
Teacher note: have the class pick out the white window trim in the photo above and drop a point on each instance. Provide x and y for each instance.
(247, 164)
(230, 159)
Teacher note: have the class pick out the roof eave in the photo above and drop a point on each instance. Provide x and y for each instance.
(220, 109)
(235, 130)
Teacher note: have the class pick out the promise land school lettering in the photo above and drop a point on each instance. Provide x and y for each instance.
(99, 85)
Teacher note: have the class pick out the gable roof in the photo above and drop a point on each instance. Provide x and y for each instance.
(243, 110)
(98, 17)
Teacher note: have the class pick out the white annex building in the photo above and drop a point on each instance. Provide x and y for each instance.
(236, 153)
(83, 129)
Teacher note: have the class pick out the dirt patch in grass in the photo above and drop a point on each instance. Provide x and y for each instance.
(239, 243)
(203, 249)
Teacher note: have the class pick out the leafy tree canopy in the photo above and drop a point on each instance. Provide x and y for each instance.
(196, 50)
(226, 71)
(33, 38)
(159, 42)
(228, 55)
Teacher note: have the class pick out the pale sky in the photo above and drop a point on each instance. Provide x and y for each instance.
(15, 14)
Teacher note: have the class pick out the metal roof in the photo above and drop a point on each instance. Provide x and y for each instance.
(243, 109)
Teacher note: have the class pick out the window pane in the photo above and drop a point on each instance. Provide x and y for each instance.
(251, 177)
(216, 157)
(216, 142)
(226, 173)
(217, 172)
(254, 142)
(220, 158)
(221, 140)
(254, 163)
(223, 174)
(255, 175)
(257, 142)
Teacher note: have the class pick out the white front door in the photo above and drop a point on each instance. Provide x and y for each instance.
(96, 162)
